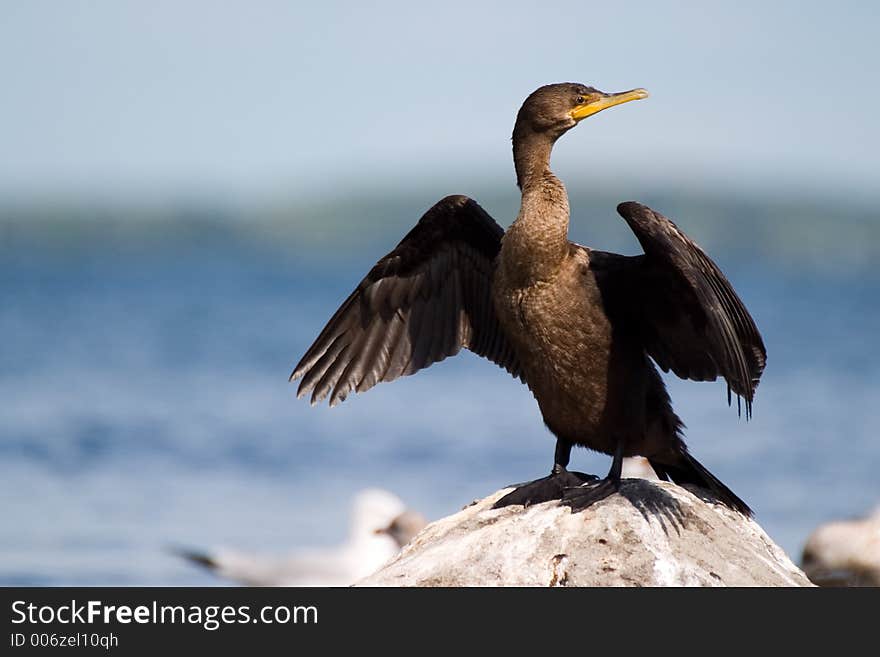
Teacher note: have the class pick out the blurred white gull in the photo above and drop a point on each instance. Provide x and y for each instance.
(380, 525)
(844, 553)
(638, 467)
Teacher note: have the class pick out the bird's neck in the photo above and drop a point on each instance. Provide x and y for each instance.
(531, 155)
(536, 245)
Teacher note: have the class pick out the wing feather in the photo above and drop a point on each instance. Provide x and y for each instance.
(419, 304)
(692, 320)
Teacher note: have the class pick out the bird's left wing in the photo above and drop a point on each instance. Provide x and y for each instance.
(690, 318)
(422, 302)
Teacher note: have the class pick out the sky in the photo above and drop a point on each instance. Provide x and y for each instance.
(266, 97)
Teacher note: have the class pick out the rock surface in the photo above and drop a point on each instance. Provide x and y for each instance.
(651, 534)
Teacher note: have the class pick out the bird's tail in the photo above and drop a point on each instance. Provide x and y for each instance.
(687, 470)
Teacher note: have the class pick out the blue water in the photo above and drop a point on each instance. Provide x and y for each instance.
(144, 404)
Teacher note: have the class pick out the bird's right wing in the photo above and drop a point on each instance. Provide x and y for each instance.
(422, 302)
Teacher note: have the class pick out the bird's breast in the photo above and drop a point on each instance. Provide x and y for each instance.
(560, 332)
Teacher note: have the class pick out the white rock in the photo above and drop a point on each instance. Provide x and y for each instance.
(651, 534)
(845, 553)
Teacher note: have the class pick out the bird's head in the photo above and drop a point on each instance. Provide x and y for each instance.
(551, 111)
(556, 108)
(404, 527)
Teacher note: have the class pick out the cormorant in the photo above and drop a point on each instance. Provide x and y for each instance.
(579, 326)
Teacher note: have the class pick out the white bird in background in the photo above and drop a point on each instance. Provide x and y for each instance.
(638, 467)
(380, 525)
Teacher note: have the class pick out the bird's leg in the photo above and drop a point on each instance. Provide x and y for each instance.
(590, 492)
(550, 487)
(561, 457)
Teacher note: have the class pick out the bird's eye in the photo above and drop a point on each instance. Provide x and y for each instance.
(580, 100)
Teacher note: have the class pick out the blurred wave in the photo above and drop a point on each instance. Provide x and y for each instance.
(799, 231)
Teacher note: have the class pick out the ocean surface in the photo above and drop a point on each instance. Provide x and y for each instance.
(144, 405)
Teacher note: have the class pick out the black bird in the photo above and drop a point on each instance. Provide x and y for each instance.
(580, 327)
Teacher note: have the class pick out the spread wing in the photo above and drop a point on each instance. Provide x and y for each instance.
(422, 302)
(692, 321)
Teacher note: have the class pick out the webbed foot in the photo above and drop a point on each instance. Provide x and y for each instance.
(587, 494)
(545, 489)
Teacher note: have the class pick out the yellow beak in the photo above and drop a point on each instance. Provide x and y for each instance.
(605, 101)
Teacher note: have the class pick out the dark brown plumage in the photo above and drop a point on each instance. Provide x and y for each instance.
(579, 327)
